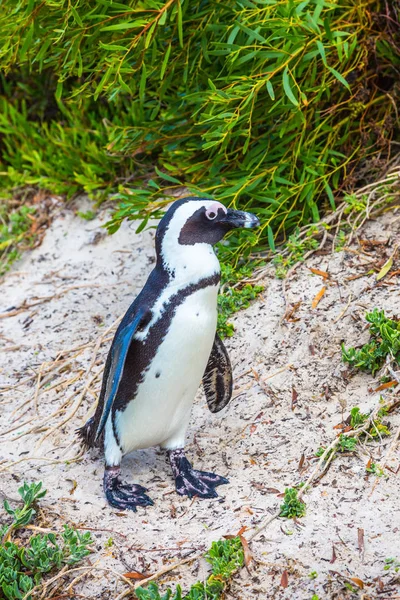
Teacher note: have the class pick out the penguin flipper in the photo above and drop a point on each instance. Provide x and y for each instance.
(116, 360)
(217, 378)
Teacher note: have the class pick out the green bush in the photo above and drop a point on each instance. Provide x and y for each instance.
(23, 564)
(384, 342)
(262, 104)
(225, 557)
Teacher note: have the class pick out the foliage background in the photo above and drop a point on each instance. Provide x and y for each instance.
(272, 105)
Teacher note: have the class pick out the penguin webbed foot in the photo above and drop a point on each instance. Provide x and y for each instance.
(123, 496)
(190, 482)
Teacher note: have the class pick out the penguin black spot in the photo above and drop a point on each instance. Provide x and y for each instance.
(158, 374)
(197, 314)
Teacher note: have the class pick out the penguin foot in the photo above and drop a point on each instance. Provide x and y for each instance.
(190, 482)
(122, 496)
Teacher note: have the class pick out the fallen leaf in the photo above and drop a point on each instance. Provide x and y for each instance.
(386, 385)
(246, 551)
(74, 486)
(284, 579)
(385, 269)
(289, 314)
(318, 297)
(323, 274)
(295, 395)
(340, 426)
(360, 534)
(369, 463)
(334, 557)
(352, 277)
(136, 575)
(241, 530)
(301, 462)
(358, 582)
(253, 428)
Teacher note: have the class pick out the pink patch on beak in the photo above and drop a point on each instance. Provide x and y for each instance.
(212, 210)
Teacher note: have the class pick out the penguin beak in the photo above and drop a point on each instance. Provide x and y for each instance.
(239, 218)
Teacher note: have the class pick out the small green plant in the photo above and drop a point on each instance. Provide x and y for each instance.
(374, 469)
(89, 215)
(385, 341)
(292, 507)
(392, 564)
(30, 494)
(14, 232)
(355, 203)
(225, 558)
(377, 428)
(341, 240)
(357, 418)
(22, 566)
(347, 444)
(296, 246)
(234, 295)
(313, 575)
(320, 452)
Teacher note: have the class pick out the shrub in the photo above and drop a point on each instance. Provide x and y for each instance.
(263, 104)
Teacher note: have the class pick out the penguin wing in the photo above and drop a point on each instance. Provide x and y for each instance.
(217, 378)
(115, 363)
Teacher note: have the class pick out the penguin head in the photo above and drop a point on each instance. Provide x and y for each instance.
(201, 221)
(191, 225)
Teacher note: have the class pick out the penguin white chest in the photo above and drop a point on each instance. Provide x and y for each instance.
(160, 412)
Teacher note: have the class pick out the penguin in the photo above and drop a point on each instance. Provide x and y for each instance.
(164, 347)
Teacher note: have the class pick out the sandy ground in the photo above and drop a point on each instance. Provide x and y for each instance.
(289, 387)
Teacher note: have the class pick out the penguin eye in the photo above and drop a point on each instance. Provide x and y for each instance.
(211, 215)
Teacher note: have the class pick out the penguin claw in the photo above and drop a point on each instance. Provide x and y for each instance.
(127, 498)
(190, 482)
(199, 483)
(123, 496)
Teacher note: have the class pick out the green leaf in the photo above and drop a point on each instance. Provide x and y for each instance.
(339, 77)
(143, 224)
(330, 195)
(287, 88)
(385, 269)
(126, 25)
(250, 32)
(270, 89)
(321, 50)
(165, 62)
(76, 15)
(27, 42)
(142, 86)
(166, 176)
(59, 90)
(113, 47)
(271, 240)
(149, 35)
(180, 26)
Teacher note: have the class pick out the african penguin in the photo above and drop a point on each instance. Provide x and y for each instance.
(165, 346)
